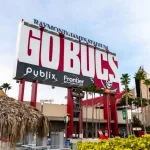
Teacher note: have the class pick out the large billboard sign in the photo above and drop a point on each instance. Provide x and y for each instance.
(53, 58)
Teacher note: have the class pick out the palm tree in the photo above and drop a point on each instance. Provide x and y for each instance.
(147, 83)
(79, 90)
(92, 89)
(130, 99)
(86, 89)
(99, 91)
(5, 86)
(125, 80)
(140, 75)
(137, 102)
(123, 101)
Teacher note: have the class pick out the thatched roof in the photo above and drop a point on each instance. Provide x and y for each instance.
(2, 93)
(17, 118)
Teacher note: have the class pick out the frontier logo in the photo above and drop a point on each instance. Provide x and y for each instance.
(40, 73)
(73, 80)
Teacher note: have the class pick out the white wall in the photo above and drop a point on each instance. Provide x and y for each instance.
(56, 110)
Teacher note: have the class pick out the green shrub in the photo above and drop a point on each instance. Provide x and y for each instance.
(117, 143)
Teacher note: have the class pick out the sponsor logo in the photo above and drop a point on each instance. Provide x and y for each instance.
(107, 87)
(39, 73)
(73, 80)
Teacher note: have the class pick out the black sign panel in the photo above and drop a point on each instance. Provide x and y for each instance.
(50, 77)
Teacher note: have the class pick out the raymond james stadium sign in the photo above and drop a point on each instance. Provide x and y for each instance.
(52, 56)
(66, 33)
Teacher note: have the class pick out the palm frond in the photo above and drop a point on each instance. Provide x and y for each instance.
(125, 79)
(140, 75)
(147, 82)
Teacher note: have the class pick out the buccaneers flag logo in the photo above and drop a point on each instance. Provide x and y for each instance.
(107, 87)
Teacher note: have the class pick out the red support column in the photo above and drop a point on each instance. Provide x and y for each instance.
(21, 90)
(70, 113)
(34, 94)
(107, 112)
(114, 115)
(81, 121)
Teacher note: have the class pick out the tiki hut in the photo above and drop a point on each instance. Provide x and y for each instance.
(2, 93)
(18, 119)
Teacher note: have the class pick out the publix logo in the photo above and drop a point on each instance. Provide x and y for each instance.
(36, 73)
(73, 80)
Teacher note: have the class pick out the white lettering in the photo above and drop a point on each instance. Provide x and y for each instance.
(50, 51)
(35, 73)
(28, 70)
(71, 55)
(53, 76)
(100, 75)
(29, 55)
(113, 78)
(84, 62)
(42, 74)
(49, 75)
(75, 81)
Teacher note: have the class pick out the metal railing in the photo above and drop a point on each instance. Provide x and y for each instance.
(50, 147)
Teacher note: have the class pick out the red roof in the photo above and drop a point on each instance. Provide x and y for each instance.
(96, 101)
(120, 95)
(101, 99)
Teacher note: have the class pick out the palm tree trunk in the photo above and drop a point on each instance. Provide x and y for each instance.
(146, 111)
(96, 122)
(138, 112)
(127, 120)
(92, 116)
(131, 118)
(86, 114)
(80, 119)
(142, 109)
(99, 113)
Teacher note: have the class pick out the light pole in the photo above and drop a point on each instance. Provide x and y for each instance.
(66, 118)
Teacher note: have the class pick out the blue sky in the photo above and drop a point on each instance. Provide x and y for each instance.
(124, 26)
